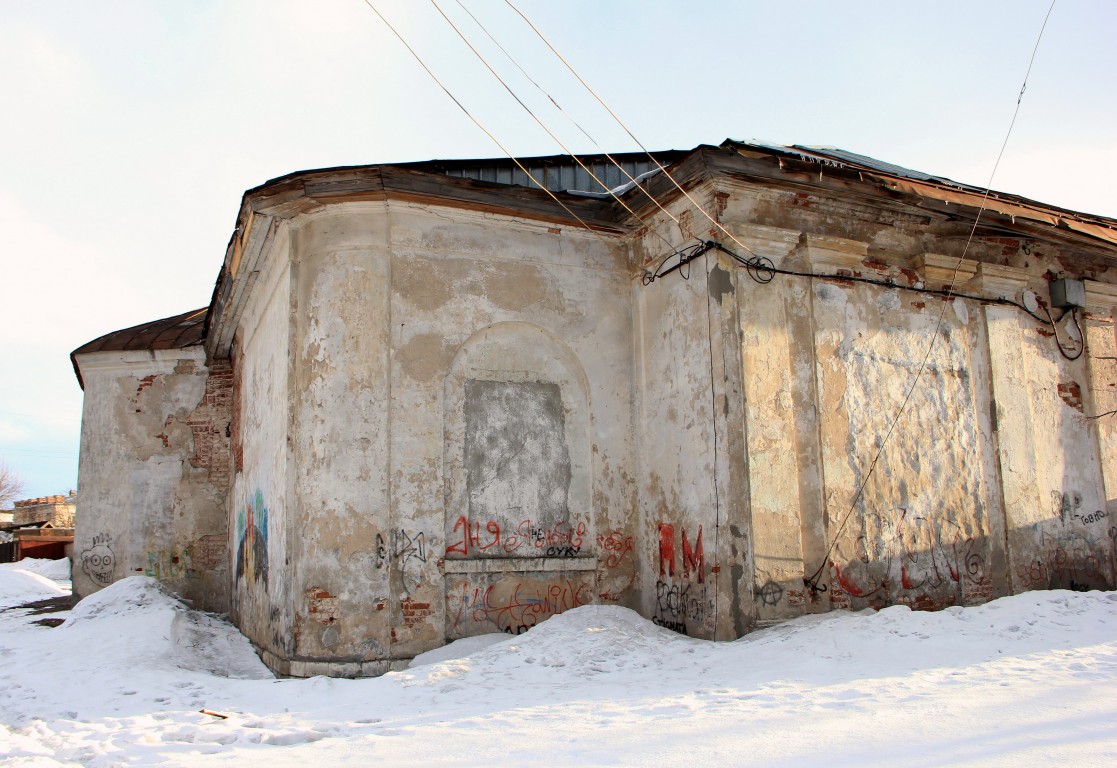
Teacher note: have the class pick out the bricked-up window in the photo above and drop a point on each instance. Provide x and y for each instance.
(517, 468)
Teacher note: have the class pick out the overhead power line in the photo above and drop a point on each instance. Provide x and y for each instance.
(631, 135)
(477, 122)
(541, 124)
(624, 171)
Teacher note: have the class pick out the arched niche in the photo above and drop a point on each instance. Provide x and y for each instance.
(517, 450)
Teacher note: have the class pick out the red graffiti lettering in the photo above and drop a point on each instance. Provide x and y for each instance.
(694, 559)
(666, 549)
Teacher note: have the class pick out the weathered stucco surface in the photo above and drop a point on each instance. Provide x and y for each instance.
(442, 421)
(154, 474)
(260, 513)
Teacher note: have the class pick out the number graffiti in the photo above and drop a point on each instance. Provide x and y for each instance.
(1069, 555)
(563, 540)
(1075, 568)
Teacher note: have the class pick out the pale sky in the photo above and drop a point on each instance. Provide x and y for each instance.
(131, 129)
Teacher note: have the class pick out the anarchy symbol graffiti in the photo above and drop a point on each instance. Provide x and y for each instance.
(771, 593)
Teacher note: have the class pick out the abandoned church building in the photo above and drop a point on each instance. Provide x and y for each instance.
(439, 399)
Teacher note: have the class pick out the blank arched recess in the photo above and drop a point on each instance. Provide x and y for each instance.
(524, 364)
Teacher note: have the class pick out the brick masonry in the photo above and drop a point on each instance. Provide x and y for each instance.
(210, 424)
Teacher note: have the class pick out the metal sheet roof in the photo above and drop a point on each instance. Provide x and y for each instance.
(178, 332)
(905, 180)
(558, 173)
(842, 157)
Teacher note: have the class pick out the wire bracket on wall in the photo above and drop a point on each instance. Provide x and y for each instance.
(760, 268)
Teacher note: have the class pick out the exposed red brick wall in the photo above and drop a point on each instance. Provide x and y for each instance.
(414, 612)
(237, 442)
(1071, 394)
(210, 425)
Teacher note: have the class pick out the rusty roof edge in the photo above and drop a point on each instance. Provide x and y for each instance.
(888, 171)
(437, 166)
(180, 326)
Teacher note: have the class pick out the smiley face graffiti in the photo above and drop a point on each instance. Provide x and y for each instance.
(98, 561)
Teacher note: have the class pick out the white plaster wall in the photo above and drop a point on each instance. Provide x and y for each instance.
(677, 469)
(145, 507)
(491, 298)
(710, 409)
(920, 533)
(1055, 499)
(386, 298)
(781, 422)
(260, 508)
(992, 481)
(340, 412)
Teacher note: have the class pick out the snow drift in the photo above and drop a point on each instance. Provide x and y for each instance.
(133, 676)
(19, 586)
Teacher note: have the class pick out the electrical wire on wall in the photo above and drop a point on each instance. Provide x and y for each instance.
(1073, 312)
(762, 270)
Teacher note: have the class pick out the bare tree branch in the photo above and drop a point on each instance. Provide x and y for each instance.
(11, 486)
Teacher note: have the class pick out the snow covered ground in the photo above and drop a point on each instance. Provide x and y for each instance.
(1029, 680)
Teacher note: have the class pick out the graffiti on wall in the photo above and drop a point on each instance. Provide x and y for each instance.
(381, 552)
(616, 547)
(525, 539)
(1077, 548)
(927, 563)
(98, 561)
(165, 565)
(681, 597)
(1067, 567)
(252, 541)
(693, 559)
(679, 606)
(409, 547)
(410, 553)
(414, 612)
(513, 606)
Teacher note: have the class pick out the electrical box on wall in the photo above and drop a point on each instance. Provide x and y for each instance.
(1067, 293)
